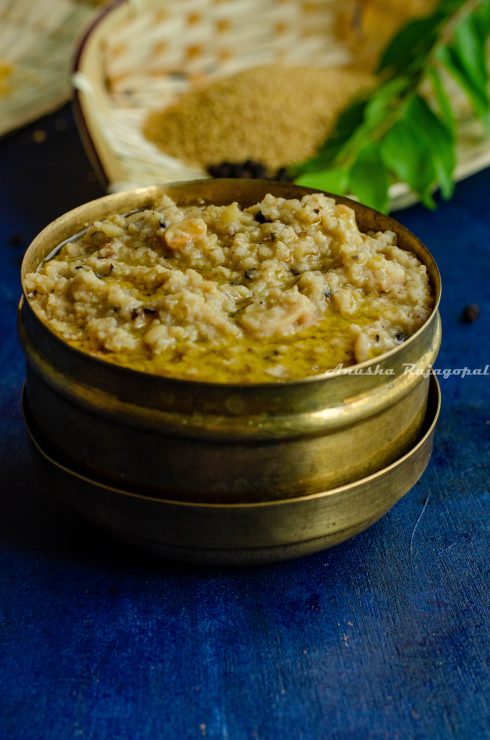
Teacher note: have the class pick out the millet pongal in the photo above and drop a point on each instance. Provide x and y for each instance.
(278, 291)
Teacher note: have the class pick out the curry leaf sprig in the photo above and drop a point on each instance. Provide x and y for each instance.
(405, 129)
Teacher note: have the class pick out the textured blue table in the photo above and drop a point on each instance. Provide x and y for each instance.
(383, 637)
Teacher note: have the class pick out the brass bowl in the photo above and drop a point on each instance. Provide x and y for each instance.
(222, 443)
(237, 534)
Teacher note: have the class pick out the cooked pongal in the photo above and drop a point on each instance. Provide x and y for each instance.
(281, 290)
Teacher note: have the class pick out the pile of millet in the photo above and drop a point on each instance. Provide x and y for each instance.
(274, 115)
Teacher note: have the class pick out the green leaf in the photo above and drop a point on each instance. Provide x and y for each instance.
(449, 7)
(385, 100)
(438, 139)
(369, 179)
(482, 16)
(347, 125)
(470, 47)
(405, 155)
(478, 98)
(333, 180)
(412, 42)
(442, 99)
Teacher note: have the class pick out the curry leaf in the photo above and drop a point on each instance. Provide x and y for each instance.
(450, 6)
(469, 47)
(410, 159)
(483, 19)
(363, 114)
(335, 180)
(412, 42)
(442, 99)
(454, 65)
(384, 101)
(347, 124)
(438, 139)
(369, 178)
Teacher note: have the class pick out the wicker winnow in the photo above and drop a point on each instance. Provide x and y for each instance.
(37, 41)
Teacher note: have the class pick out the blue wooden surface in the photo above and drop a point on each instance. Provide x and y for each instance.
(383, 637)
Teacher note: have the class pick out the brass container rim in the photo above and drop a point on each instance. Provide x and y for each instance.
(281, 190)
(432, 417)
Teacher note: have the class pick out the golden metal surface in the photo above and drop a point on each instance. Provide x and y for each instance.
(222, 443)
(238, 533)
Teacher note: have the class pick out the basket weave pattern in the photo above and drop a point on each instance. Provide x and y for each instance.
(36, 43)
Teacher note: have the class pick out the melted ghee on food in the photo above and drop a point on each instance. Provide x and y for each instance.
(308, 352)
(311, 351)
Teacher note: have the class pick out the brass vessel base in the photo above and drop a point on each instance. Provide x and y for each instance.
(237, 534)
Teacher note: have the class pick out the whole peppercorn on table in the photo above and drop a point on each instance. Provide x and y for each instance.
(385, 636)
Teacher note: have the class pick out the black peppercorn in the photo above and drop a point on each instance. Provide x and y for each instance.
(282, 175)
(470, 313)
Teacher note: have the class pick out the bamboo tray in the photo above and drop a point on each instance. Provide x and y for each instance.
(140, 55)
(37, 40)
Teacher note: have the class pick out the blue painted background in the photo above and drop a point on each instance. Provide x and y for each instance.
(383, 637)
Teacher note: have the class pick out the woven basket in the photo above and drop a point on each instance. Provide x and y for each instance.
(37, 40)
(142, 54)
